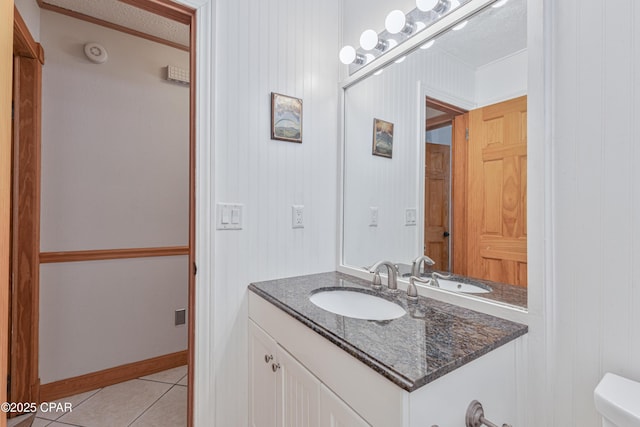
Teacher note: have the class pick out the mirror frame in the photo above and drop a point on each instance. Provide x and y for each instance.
(504, 310)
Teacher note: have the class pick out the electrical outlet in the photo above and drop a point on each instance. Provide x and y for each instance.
(410, 217)
(373, 216)
(297, 216)
(181, 317)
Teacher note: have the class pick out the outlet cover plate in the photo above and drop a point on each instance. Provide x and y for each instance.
(181, 317)
(297, 216)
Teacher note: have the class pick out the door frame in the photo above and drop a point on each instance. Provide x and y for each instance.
(28, 58)
(26, 46)
(456, 117)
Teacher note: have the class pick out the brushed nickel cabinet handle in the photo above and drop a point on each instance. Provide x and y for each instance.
(268, 358)
(275, 367)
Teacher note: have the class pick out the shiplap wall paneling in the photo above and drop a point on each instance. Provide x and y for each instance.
(392, 185)
(596, 184)
(289, 47)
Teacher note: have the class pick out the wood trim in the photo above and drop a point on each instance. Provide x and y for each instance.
(165, 8)
(191, 312)
(23, 42)
(439, 122)
(104, 254)
(25, 264)
(111, 25)
(6, 64)
(459, 194)
(80, 384)
(445, 107)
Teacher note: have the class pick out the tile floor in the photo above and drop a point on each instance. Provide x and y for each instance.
(158, 400)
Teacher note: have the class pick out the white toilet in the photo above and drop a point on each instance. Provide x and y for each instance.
(618, 401)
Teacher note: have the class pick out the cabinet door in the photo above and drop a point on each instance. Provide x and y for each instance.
(298, 395)
(335, 413)
(262, 378)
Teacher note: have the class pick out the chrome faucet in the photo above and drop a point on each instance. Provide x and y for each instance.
(415, 266)
(392, 274)
(412, 290)
(435, 276)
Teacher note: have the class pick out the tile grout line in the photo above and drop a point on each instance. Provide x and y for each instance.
(95, 391)
(150, 406)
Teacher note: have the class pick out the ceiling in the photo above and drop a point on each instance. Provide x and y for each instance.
(125, 15)
(490, 35)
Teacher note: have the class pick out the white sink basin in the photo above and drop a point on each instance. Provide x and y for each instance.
(358, 305)
(455, 286)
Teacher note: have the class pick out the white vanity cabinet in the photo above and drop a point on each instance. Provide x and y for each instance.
(299, 378)
(285, 393)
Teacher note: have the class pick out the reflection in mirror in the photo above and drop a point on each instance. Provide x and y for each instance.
(453, 186)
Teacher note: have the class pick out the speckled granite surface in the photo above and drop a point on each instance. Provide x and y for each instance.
(432, 339)
(500, 292)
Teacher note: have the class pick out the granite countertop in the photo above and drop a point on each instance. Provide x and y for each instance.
(499, 292)
(432, 339)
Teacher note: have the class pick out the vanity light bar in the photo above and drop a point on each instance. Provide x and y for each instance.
(398, 28)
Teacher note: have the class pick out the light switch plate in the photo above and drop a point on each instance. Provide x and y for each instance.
(228, 216)
(410, 216)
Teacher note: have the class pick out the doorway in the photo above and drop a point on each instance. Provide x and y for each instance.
(485, 205)
(186, 16)
(440, 117)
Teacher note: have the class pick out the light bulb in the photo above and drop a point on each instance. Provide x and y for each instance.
(420, 26)
(500, 3)
(369, 57)
(368, 39)
(428, 44)
(395, 21)
(454, 4)
(426, 5)
(392, 43)
(347, 55)
(460, 26)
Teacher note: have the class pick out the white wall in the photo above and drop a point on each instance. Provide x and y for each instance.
(289, 47)
(114, 175)
(594, 314)
(440, 136)
(392, 185)
(30, 12)
(501, 80)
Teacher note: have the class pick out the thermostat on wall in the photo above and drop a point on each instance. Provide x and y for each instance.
(95, 53)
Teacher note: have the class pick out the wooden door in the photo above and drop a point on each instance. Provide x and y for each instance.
(497, 192)
(436, 200)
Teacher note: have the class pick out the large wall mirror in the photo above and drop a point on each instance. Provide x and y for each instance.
(435, 156)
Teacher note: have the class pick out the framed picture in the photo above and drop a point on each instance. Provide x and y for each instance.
(286, 118)
(382, 138)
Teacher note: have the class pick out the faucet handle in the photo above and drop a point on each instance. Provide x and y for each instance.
(441, 275)
(412, 290)
(377, 282)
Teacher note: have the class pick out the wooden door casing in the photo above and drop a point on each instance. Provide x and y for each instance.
(497, 192)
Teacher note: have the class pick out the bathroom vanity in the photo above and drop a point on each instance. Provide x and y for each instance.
(311, 367)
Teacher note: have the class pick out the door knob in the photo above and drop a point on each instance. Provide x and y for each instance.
(445, 234)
